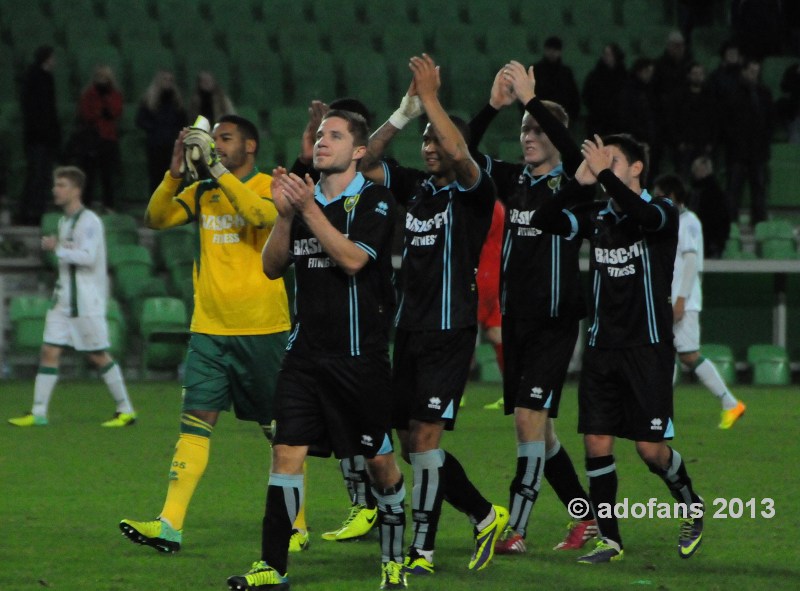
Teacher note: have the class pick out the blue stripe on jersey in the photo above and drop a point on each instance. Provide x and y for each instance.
(573, 222)
(555, 287)
(549, 402)
(648, 294)
(595, 321)
(387, 175)
(355, 342)
(663, 217)
(402, 292)
(489, 163)
(370, 251)
(447, 275)
(506, 256)
(355, 339)
(292, 336)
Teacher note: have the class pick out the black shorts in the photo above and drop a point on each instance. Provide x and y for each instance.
(335, 404)
(627, 392)
(430, 372)
(536, 353)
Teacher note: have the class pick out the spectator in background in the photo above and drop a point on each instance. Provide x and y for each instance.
(601, 91)
(725, 77)
(41, 135)
(788, 106)
(555, 81)
(209, 99)
(637, 112)
(747, 133)
(671, 66)
(161, 116)
(694, 13)
(99, 113)
(710, 203)
(692, 119)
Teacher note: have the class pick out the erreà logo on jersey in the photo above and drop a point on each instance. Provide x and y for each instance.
(350, 202)
(382, 208)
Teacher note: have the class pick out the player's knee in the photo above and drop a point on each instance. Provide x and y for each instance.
(655, 455)
(383, 471)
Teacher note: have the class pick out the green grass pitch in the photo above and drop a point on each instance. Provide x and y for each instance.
(64, 488)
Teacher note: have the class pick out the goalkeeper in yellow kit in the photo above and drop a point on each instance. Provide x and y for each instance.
(241, 319)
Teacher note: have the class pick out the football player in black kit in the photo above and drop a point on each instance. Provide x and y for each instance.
(449, 210)
(626, 380)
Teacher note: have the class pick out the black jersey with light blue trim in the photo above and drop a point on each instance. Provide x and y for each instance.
(539, 273)
(445, 230)
(631, 273)
(335, 313)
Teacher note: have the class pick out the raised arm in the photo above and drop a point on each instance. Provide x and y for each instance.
(164, 210)
(650, 216)
(410, 108)
(427, 82)
(523, 83)
(500, 96)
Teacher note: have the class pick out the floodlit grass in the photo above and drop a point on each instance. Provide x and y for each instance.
(64, 488)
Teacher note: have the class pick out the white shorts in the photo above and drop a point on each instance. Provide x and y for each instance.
(83, 333)
(687, 332)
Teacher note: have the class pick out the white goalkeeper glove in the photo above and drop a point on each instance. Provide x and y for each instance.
(199, 147)
(410, 108)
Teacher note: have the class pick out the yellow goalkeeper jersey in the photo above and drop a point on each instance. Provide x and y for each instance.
(232, 296)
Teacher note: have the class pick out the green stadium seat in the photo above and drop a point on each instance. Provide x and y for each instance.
(261, 81)
(469, 79)
(497, 13)
(783, 187)
(175, 246)
(772, 70)
(401, 44)
(62, 13)
(487, 362)
(214, 62)
(776, 239)
(336, 16)
(509, 150)
(507, 43)
(163, 325)
(310, 83)
(453, 35)
(117, 329)
(430, 16)
(120, 229)
(770, 365)
(388, 16)
(373, 88)
(722, 357)
(548, 16)
(406, 149)
(27, 315)
(287, 123)
(132, 268)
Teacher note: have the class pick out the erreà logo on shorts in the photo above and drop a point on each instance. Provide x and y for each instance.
(655, 425)
(536, 392)
(366, 440)
(435, 403)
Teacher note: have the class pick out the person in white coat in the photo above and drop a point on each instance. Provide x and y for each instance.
(77, 318)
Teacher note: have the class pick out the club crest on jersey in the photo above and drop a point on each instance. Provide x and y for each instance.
(554, 183)
(350, 202)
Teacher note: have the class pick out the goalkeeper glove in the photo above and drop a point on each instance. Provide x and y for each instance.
(199, 147)
(410, 108)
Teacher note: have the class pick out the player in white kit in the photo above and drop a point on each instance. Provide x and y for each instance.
(687, 300)
(78, 316)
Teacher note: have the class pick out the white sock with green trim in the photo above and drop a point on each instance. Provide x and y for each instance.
(708, 374)
(46, 378)
(112, 376)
